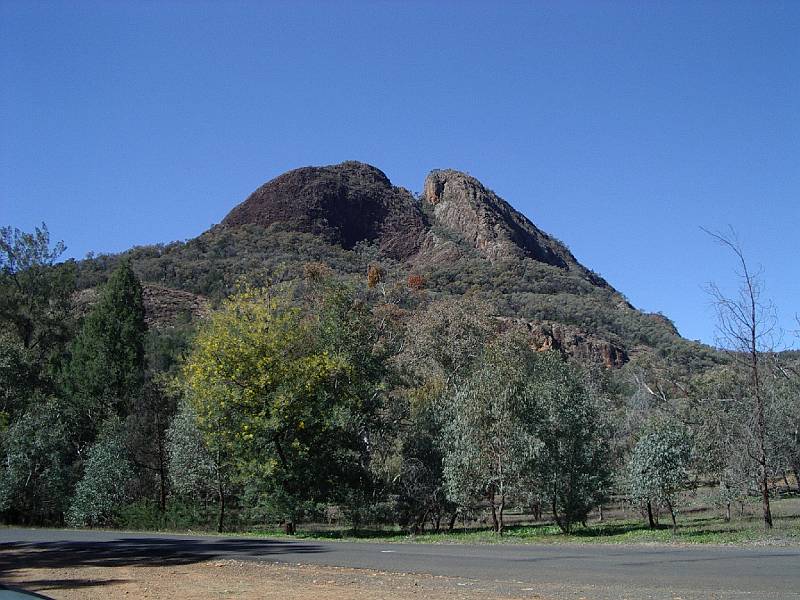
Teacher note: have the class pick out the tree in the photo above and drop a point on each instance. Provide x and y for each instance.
(443, 344)
(658, 466)
(103, 487)
(745, 323)
(287, 394)
(196, 471)
(419, 483)
(18, 377)
(36, 473)
(573, 464)
(448, 338)
(490, 436)
(145, 438)
(721, 421)
(107, 362)
(36, 316)
(34, 291)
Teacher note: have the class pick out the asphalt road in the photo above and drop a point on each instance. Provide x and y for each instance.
(594, 571)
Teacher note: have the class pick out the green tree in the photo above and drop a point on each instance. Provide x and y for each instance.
(197, 473)
(107, 362)
(419, 482)
(145, 439)
(443, 344)
(283, 392)
(659, 467)
(34, 291)
(36, 474)
(104, 486)
(573, 466)
(490, 437)
(722, 434)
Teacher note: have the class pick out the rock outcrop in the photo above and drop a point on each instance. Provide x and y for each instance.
(491, 225)
(346, 203)
(163, 307)
(571, 341)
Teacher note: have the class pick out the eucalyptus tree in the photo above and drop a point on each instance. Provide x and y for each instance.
(444, 343)
(574, 465)
(35, 291)
(658, 467)
(103, 489)
(490, 437)
(200, 470)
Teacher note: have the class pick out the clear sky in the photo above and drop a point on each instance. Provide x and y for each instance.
(618, 127)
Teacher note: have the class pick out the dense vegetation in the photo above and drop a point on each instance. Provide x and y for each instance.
(332, 384)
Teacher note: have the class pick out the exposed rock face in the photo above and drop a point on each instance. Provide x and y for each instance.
(346, 203)
(570, 341)
(163, 307)
(490, 224)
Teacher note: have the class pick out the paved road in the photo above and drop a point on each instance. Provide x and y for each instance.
(597, 571)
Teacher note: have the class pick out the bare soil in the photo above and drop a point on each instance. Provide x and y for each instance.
(221, 579)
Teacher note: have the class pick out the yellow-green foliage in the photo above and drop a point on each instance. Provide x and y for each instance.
(256, 377)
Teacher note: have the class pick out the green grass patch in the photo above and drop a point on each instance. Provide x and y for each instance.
(701, 528)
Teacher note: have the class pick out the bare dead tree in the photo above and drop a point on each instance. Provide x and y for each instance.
(745, 324)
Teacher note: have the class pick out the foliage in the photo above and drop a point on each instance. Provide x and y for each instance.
(34, 291)
(36, 473)
(659, 465)
(574, 464)
(106, 367)
(103, 487)
(420, 484)
(145, 430)
(284, 393)
(490, 436)
(194, 470)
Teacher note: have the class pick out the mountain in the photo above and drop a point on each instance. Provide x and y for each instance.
(457, 238)
(345, 204)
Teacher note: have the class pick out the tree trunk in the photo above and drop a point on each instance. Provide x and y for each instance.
(221, 494)
(495, 522)
(672, 515)
(761, 428)
(502, 524)
(650, 521)
(556, 518)
(162, 475)
(452, 522)
(600, 509)
(728, 512)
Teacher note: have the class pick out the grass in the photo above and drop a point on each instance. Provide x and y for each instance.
(700, 526)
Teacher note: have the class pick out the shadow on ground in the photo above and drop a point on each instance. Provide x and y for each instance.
(133, 551)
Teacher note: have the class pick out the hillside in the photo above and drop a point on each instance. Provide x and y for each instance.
(457, 238)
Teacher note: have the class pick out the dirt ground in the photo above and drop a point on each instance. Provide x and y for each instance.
(236, 579)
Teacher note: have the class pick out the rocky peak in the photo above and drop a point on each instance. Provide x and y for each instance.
(490, 224)
(345, 203)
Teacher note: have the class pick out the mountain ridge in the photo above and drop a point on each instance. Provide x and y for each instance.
(457, 238)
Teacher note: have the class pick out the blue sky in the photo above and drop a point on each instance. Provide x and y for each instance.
(618, 127)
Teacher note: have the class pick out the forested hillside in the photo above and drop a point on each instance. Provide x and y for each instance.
(339, 349)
